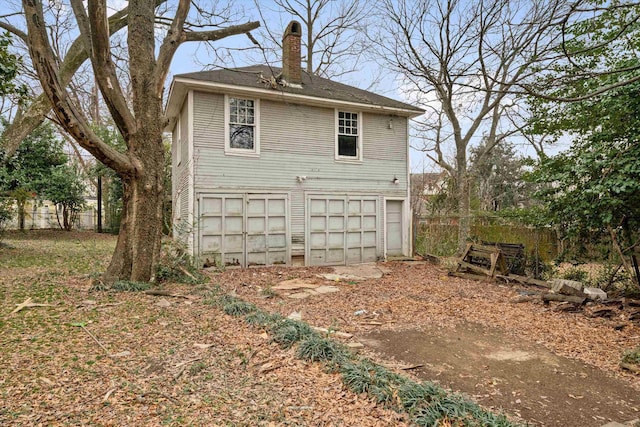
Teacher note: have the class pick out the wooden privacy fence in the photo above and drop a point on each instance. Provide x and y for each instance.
(438, 235)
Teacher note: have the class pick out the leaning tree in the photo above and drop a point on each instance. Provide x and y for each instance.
(136, 110)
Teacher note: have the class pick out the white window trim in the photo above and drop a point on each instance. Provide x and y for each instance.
(256, 134)
(179, 143)
(359, 149)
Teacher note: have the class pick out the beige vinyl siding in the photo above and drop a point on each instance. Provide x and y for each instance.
(298, 141)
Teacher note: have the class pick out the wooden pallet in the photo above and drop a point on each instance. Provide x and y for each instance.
(483, 260)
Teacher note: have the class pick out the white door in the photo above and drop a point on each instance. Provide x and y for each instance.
(244, 229)
(394, 227)
(341, 229)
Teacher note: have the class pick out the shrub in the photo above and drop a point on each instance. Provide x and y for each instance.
(263, 319)
(288, 332)
(120, 286)
(576, 274)
(377, 381)
(319, 349)
(238, 308)
(632, 356)
(176, 265)
(130, 286)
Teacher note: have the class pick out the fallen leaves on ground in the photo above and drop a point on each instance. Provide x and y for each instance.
(119, 358)
(418, 295)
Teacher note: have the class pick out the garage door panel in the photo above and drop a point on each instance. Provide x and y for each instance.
(234, 206)
(245, 229)
(341, 229)
(211, 243)
(317, 256)
(369, 238)
(369, 222)
(336, 223)
(277, 225)
(277, 207)
(277, 241)
(336, 240)
(256, 225)
(355, 206)
(318, 240)
(257, 207)
(233, 258)
(256, 244)
(212, 224)
(335, 255)
(336, 206)
(318, 207)
(369, 206)
(354, 240)
(212, 206)
(233, 225)
(355, 223)
(370, 254)
(259, 258)
(277, 257)
(354, 255)
(318, 223)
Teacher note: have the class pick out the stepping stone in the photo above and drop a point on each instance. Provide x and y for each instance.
(299, 295)
(163, 303)
(293, 284)
(341, 277)
(326, 289)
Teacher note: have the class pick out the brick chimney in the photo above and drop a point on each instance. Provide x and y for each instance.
(291, 70)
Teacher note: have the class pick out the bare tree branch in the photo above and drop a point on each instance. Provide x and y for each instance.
(34, 114)
(67, 113)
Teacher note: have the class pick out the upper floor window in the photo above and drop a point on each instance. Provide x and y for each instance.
(349, 136)
(242, 126)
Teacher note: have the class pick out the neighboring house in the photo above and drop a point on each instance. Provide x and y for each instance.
(276, 166)
(429, 183)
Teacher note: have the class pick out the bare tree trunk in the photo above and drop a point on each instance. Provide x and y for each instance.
(138, 246)
(618, 249)
(21, 215)
(464, 222)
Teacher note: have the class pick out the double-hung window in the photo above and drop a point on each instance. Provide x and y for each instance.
(349, 138)
(242, 132)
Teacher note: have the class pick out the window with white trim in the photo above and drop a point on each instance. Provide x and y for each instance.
(348, 136)
(242, 136)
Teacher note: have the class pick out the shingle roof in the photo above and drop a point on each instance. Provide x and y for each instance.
(258, 76)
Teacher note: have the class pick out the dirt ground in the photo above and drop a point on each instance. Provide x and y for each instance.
(519, 377)
(544, 367)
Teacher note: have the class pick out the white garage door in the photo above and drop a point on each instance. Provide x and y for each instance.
(244, 229)
(341, 229)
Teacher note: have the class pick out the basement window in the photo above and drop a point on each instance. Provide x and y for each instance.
(349, 138)
(242, 131)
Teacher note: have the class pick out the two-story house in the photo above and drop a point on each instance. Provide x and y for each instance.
(276, 166)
